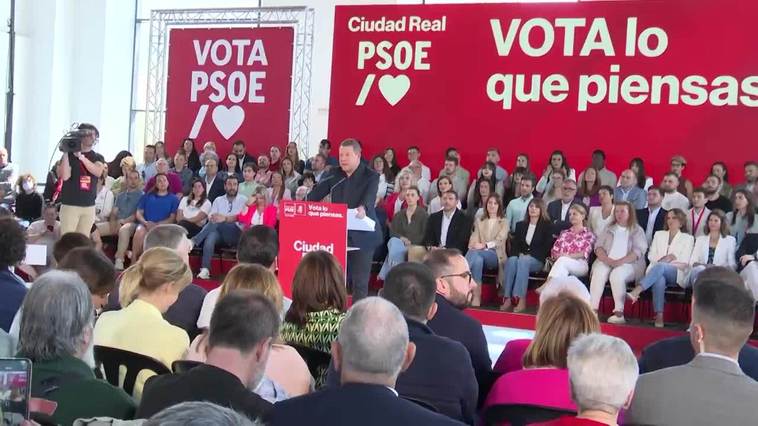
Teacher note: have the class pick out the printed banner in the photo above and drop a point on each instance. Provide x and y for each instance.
(226, 84)
(646, 79)
(305, 227)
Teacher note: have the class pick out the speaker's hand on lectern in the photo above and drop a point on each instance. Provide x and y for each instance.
(360, 212)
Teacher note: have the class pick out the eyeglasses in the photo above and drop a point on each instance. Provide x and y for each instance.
(465, 275)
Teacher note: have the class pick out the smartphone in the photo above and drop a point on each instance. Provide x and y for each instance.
(15, 389)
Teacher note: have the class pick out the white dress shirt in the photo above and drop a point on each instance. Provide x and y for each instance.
(446, 219)
(675, 200)
(651, 223)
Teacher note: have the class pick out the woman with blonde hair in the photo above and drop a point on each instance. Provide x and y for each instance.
(286, 368)
(127, 165)
(396, 201)
(571, 251)
(148, 288)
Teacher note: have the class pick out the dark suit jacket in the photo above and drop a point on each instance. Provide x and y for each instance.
(217, 188)
(749, 245)
(458, 233)
(247, 158)
(202, 383)
(452, 323)
(542, 241)
(357, 190)
(678, 351)
(554, 211)
(644, 214)
(353, 404)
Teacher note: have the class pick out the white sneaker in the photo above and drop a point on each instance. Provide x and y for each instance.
(204, 274)
(119, 264)
(615, 319)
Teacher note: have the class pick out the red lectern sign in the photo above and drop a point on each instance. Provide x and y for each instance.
(305, 227)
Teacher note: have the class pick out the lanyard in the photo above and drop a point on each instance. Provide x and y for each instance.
(696, 224)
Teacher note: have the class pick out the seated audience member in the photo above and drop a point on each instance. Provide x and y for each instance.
(148, 288)
(183, 171)
(606, 177)
(463, 174)
(263, 175)
(123, 217)
(743, 219)
(286, 375)
(684, 185)
(544, 380)
(715, 199)
(628, 190)
(95, 269)
(747, 256)
(258, 210)
(452, 170)
(493, 156)
(601, 216)
(155, 208)
(417, 171)
(293, 153)
(396, 201)
(175, 185)
(589, 187)
(160, 150)
(406, 230)
(147, 169)
(45, 231)
(214, 182)
(230, 166)
(678, 350)
(653, 217)
(379, 165)
(239, 150)
(711, 389)
(516, 209)
(198, 413)
(696, 215)
(442, 373)
(222, 225)
(620, 252)
(751, 177)
(512, 186)
(558, 210)
(571, 251)
(715, 248)
(55, 333)
(557, 163)
(371, 350)
(301, 194)
(644, 182)
(488, 172)
(319, 167)
(319, 300)
(68, 242)
(486, 247)
(115, 170)
(29, 202)
(448, 228)
(454, 293)
(669, 258)
(248, 185)
(522, 162)
(414, 157)
(390, 160)
(602, 372)
(554, 190)
(194, 208)
(290, 175)
(8, 178)
(530, 246)
(104, 202)
(209, 152)
(126, 165)
(278, 191)
(483, 190)
(275, 154)
(672, 198)
(12, 288)
(719, 170)
(238, 350)
(444, 184)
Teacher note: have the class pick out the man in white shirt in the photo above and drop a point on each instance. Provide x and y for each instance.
(629, 191)
(697, 216)
(606, 176)
(319, 166)
(672, 199)
(516, 209)
(147, 169)
(414, 156)
(447, 228)
(222, 226)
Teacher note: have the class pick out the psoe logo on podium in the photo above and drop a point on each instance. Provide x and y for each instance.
(294, 209)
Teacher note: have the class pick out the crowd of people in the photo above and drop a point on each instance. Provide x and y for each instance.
(409, 356)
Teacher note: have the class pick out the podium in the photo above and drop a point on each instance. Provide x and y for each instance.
(306, 226)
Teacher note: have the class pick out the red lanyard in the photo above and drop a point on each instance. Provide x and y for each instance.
(696, 224)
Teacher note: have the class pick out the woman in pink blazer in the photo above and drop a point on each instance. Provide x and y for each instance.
(258, 211)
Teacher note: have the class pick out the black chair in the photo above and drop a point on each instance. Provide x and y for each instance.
(522, 414)
(183, 365)
(111, 359)
(316, 360)
(428, 405)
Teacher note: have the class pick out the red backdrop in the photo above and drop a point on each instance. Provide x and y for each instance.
(226, 84)
(442, 99)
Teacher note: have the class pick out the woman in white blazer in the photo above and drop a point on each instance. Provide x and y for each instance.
(716, 248)
(669, 257)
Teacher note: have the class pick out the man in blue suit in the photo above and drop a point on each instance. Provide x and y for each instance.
(372, 348)
(354, 184)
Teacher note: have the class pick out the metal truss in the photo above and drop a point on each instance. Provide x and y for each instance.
(161, 21)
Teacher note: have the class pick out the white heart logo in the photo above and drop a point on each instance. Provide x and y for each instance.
(228, 120)
(394, 88)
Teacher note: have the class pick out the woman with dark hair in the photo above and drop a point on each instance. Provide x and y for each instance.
(557, 163)
(530, 246)
(160, 151)
(114, 167)
(511, 186)
(719, 169)
(194, 208)
(487, 171)
(379, 165)
(230, 167)
(290, 175)
(715, 248)
(278, 190)
(392, 168)
(588, 189)
(406, 230)
(638, 167)
(486, 246)
(482, 190)
(294, 155)
(319, 302)
(193, 158)
(743, 219)
(28, 201)
(444, 184)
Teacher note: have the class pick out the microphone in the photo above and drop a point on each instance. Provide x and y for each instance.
(334, 186)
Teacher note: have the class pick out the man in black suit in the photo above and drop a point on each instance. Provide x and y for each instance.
(237, 354)
(652, 218)
(354, 184)
(238, 149)
(214, 183)
(448, 228)
(558, 209)
(454, 294)
(372, 348)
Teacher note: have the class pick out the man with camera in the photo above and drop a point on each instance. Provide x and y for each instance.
(79, 169)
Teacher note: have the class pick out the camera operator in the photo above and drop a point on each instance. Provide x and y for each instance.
(79, 171)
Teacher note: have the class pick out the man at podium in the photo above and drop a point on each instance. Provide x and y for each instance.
(354, 184)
